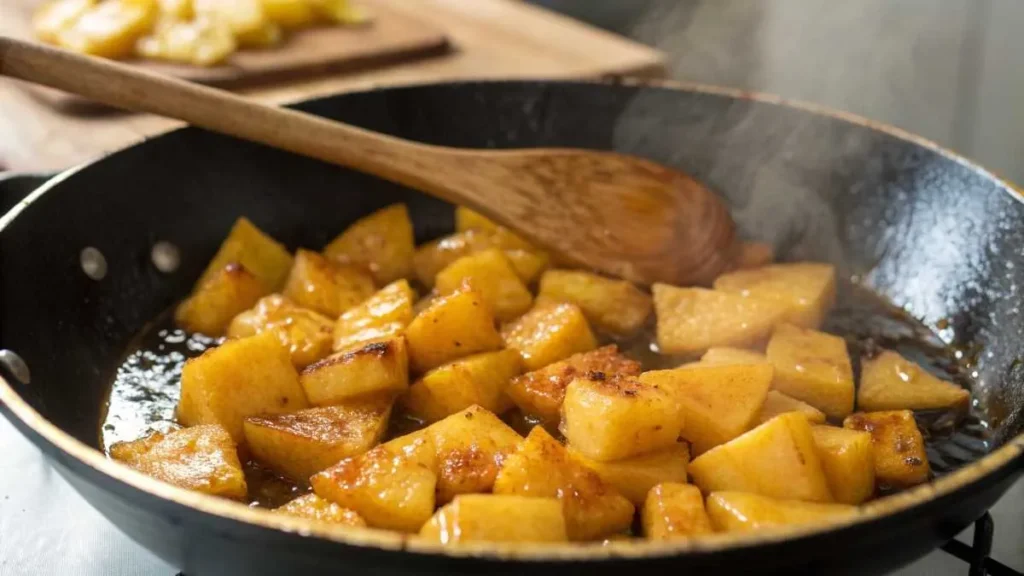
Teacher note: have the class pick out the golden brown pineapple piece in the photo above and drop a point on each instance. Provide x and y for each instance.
(491, 274)
(542, 468)
(238, 379)
(382, 242)
(304, 333)
(479, 379)
(739, 511)
(613, 306)
(453, 326)
(725, 355)
(776, 403)
(53, 17)
(691, 320)
(549, 332)
(848, 460)
(634, 477)
(897, 445)
(494, 518)
(716, 402)
(290, 13)
(416, 446)
(257, 252)
(806, 290)
(776, 459)
(611, 417)
(674, 511)
(813, 367)
(109, 29)
(243, 16)
(433, 257)
(378, 368)
(200, 42)
(382, 315)
(313, 507)
(324, 286)
(540, 393)
(300, 444)
(201, 458)
(889, 381)
(210, 309)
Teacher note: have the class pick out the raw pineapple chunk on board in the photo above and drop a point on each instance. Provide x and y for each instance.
(313, 507)
(243, 16)
(201, 458)
(806, 290)
(542, 468)
(212, 306)
(540, 393)
(813, 367)
(382, 242)
(257, 252)
(634, 477)
(777, 459)
(549, 332)
(889, 381)
(238, 379)
(490, 273)
(388, 490)
(432, 257)
(776, 403)
(200, 42)
(739, 511)
(479, 379)
(611, 417)
(290, 13)
(382, 315)
(109, 29)
(897, 445)
(727, 355)
(300, 444)
(848, 461)
(691, 320)
(716, 403)
(56, 15)
(341, 11)
(453, 326)
(613, 306)
(378, 368)
(494, 518)
(328, 288)
(304, 333)
(176, 9)
(268, 35)
(674, 511)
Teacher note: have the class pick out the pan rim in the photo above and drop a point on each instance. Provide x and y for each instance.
(991, 464)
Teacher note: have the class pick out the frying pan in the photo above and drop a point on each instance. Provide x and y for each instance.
(930, 231)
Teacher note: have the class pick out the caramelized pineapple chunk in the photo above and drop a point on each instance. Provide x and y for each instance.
(848, 461)
(541, 467)
(416, 446)
(304, 333)
(433, 257)
(380, 367)
(210, 309)
(200, 42)
(382, 315)
(716, 402)
(674, 511)
(634, 477)
(108, 29)
(891, 382)
(289, 13)
(691, 320)
(382, 242)
(738, 511)
(453, 326)
(328, 288)
(238, 379)
(806, 290)
(479, 379)
(493, 518)
(776, 459)
(56, 16)
(540, 393)
(313, 507)
(613, 306)
(300, 444)
(490, 273)
(726, 355)
(201, 458)
(776, 403)
(549, 332)
(610, 417)
(897, 445)
(242, 16)
(813, 367)
(257, 252)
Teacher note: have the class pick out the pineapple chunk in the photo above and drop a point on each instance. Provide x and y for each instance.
(433, 257)
(674, 511)
(479, 379)
(691, 320)
(490, 273)
(201, 458)
(716, 402)
(300, 444)
(725, 355)
(242, 16)
(738, 511)
(324, 286)
(210, 309)
(417, 446)
(388, 490)
(776, 459)
(848, 461)
(493, 518)
(453, 326)
(257, 252)
(382, 242)
(201, 42)
(776, 403)
(755, 255)
(634, 477)
(268, 35)
(540, 393)
(238, 379)
(549, 333)
(109, 29)
(610, 417)
(466, 219)
(813, 367)
(542, 468)
(891, 382)
(304, 333)
(56, 16)
(313, 507)
(897, 445)
(289, 13)
(382, 315)
(176, 9)
(613, 306)
(341, 11)
(378, 368)
(806, 290)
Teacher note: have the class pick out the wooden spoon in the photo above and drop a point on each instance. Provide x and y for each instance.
(613, 213)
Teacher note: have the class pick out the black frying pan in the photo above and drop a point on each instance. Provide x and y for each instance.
(930, 231)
